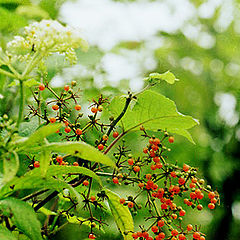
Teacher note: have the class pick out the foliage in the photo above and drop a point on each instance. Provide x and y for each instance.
(62, 139)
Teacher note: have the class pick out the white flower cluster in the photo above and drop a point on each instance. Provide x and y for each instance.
(47, 37)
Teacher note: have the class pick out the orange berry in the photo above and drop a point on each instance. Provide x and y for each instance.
(186, 167)
(78, 131)
(52, 120)
(41, 87)
(91, 236)
(59, 159)
(85, 182)
(211, 206)
(78, 107)
(153, 167)
(67, 129)
(192, 185)
(189, 227)
(141, 185)
(181, 237)
(75, 164)
(115, 180)
(55, 107)
(148, 176)
(36, 164)
(154, 229)
(145, 150)
(130, 204)
(211, 195)
(156, 159)
(174, 232)
(181, 181)
(196, 235)
(156, 141)
(105, 137)
(202, 238)
(173, 174)
(214, 200)
(100, 147)
(94, 110)
(93, 198)
(161, 235)
(122, 200)
(66, 88)
(136, 169)
(130, 161)
(182, 213)
(160, 223)
(199, 207)
(115, 134)
(194, 180)
(171, 139)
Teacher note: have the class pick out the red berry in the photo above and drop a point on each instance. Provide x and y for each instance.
(141, 185)
(185, 167)
(36, 164)
(211, 195)
(181, 237)
(161, 235)
(66, 88)
(194, 180)
(153, 167)
(211, 206)
(196, 235)
(59, 159)
(100, 147)
(85, 182)
(78, 107)
(94, 110)
(115, 180)
(181, 181)
(122, 200)
(115, 134)
(134, 235)
(91, 236)
(105, 137)
(173, 174)
(199, 207)
(160, 223)
(55, 107)
(67, 129)
(130, 204)
(52, 120)
(174, 232)
(145, 150)
(214, 200)
(41, 87)
(130, 161)
(154, 229)
(75, 164)
(182, 213)
(189, 227)
(93, 198)
(136, 169)
(78, 131)
(148, 176)
(156, 159)
(171, 139)
(156, 141)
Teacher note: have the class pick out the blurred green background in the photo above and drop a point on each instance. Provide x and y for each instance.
(198, 41)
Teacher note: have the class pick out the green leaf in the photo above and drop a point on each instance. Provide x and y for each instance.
(45, 157)
(121, 214)
(46, 211)
(78, 149)
(39, 135)
(31, 82)
(5, 234)
(154, 111)
(55, 170)
(157, 77)
(10, 166)
(15, 1)
(13, 83)
(24, 217)
(35, 181)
